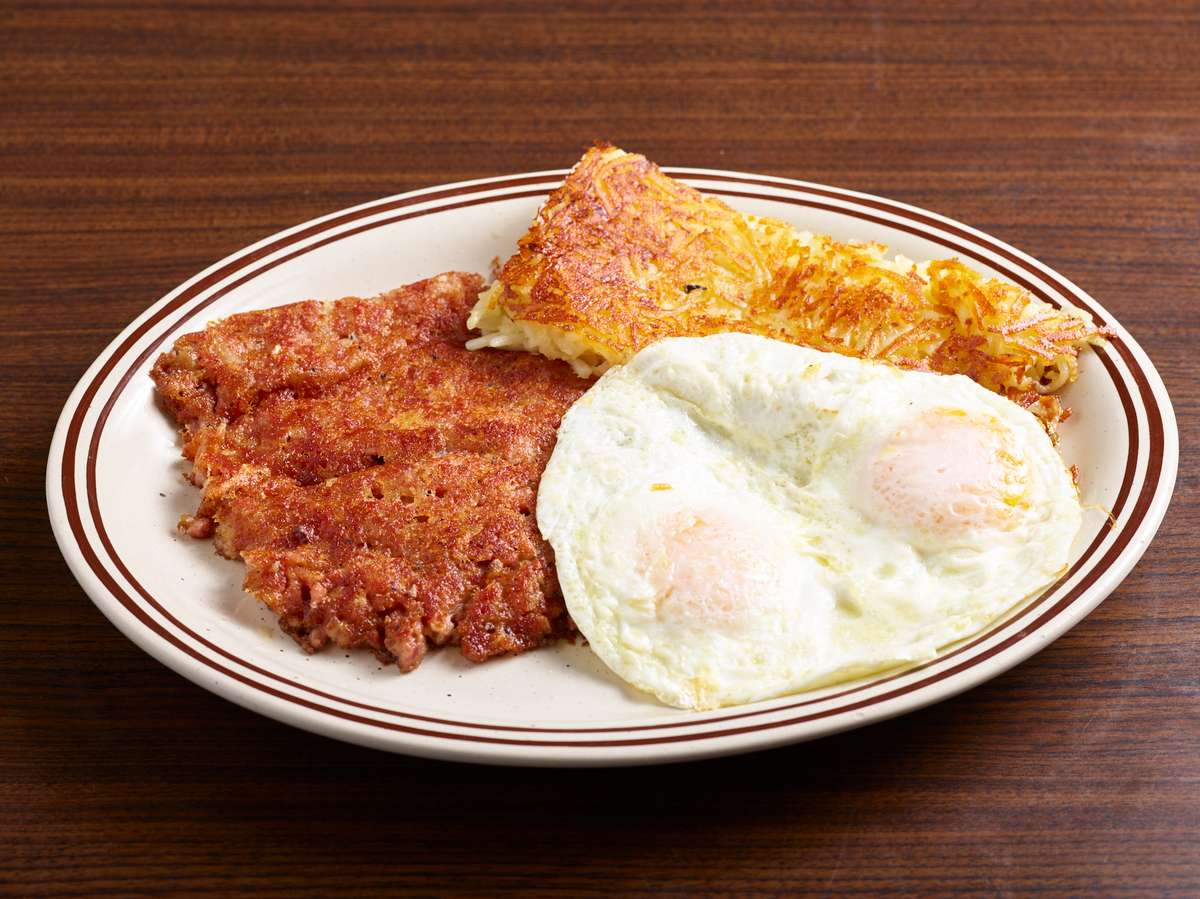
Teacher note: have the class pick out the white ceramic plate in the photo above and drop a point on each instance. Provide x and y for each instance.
(115, 493)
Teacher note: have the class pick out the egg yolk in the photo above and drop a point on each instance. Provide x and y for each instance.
(711, 572)
(947, 473)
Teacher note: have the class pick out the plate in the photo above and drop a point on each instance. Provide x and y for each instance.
(115, 492)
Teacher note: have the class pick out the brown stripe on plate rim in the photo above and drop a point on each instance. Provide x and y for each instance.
(690, 723)
(1028, 609)
(874, 683)
(240, 262)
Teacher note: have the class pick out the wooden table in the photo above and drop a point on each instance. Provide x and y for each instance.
(143, 141)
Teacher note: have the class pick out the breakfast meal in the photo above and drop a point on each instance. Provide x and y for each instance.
(739, 459)
(377, 478)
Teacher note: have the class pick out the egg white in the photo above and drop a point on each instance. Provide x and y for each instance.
(729, 523)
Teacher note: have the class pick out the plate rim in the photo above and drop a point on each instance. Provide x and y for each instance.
(971, 672)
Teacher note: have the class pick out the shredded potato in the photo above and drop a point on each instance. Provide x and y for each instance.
(622, 255)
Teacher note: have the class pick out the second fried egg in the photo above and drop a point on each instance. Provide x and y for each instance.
(735, 518)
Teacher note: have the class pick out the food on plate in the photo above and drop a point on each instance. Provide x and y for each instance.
(378, 479)
(801, 463)
(622, 255)
(735, 518)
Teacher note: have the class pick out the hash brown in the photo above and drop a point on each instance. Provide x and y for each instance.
(621, 255)
(377, 478)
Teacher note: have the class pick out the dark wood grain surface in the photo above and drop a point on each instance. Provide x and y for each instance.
(140, 142)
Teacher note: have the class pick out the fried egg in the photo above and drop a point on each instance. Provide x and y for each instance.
(735, 518)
